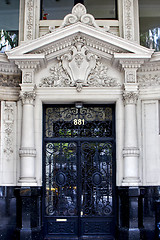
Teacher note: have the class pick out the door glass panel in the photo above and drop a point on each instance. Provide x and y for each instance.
(96, 164)
(61, 177)
(72, 122)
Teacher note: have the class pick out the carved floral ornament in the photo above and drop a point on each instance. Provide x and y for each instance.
(130, 97)
(8, 123)
(79, 14)
(148, 80)
(79, 68)
(27, 97)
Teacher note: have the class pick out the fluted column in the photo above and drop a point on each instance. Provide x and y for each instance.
(27, 151)
(131, 150)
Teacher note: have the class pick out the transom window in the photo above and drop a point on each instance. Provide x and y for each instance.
(57, 9)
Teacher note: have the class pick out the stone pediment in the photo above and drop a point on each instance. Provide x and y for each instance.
(78, 23)
(76, 48)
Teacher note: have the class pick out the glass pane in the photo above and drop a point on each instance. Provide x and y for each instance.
(9, 24)
(72, 122)
(53, 10)
(149, 12)
(61, 179)
(9, 15)
(101, 9)
(96, 164)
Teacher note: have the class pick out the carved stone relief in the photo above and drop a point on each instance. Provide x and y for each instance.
(10, 80)
(29, 19)
(79, 68)
(128, 20)
(27, 77)
(28, 97)
(130, 97)
(79, 14)
(148, 80)
(8, 130)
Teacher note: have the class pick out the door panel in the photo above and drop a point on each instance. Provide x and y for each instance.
(79, 173)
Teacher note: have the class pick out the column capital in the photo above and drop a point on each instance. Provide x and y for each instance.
(130, 97)
(28, 97)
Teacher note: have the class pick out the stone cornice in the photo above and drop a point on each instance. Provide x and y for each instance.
(6, 66)
(28, 61)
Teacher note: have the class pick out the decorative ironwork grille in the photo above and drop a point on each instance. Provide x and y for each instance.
(79, 169)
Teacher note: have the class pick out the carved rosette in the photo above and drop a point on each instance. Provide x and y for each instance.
(8, 130)
(130, 97)
(28, 97)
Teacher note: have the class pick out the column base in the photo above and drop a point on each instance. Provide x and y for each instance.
(131, 182)
(29, 223)
(27, 182)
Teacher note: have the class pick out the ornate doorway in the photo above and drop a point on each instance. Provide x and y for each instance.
(79, 172)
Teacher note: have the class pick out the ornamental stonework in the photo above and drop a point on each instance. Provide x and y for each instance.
(149, 80)
(79, 68)
(79, 14)
(128, 19)
(130, 97)
(10, 80)
(28, 97)
(30, 19)
(8, 130)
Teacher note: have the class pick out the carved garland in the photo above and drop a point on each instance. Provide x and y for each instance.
(148, 80)
(79, 68)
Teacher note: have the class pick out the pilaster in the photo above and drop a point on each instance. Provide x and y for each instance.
(29, 19)
(130, 20)
(8, 143)
(131, 147)
(27, 151)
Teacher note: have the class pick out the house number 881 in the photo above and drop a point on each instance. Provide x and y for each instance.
(78, 121)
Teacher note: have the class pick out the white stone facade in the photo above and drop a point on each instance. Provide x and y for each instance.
(80, 61)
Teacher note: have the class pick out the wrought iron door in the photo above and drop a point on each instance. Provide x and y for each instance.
(79, 172)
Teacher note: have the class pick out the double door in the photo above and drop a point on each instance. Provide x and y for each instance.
(79, 172)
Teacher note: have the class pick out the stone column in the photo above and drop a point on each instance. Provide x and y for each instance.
(27, 150)
(131, 150)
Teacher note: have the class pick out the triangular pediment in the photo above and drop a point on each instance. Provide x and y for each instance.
(78, 24)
